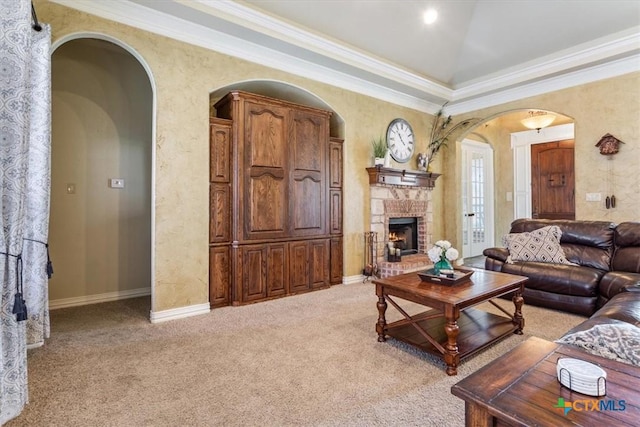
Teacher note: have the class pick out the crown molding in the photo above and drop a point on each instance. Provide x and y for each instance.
(552, 84)
(261, 22)
(162, 24)
(624, 43)
(395, 85)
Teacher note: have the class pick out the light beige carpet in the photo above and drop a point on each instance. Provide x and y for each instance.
(310, 359)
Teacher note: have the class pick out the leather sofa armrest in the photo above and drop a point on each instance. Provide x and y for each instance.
(500, 254)
(615, 282)
(495, 258)
(493, 264)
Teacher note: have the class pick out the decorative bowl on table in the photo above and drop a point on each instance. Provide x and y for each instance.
(445, 277)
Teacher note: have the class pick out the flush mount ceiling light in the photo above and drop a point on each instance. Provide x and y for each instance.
(538, 120)
(430, 16)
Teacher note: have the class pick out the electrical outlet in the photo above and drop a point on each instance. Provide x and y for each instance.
(116, 183)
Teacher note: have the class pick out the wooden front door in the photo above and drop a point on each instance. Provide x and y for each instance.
(552, 180)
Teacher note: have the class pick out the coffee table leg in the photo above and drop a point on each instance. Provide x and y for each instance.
(451, 355)
(518, 320)
(382, 322)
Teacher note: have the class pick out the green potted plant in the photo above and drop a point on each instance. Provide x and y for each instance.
(379, 150)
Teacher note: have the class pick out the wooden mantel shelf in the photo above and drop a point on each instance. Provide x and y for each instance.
(411, 178)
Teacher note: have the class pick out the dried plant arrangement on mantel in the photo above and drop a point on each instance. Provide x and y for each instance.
(442, 130)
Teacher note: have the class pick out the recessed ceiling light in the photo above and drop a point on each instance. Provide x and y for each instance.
(430, 16)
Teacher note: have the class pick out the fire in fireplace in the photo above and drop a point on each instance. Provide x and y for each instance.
(403, 233)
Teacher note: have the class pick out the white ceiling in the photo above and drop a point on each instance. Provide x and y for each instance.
(478, 53)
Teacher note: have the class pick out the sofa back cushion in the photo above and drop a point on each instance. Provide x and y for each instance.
(588, 243)
(627, 247)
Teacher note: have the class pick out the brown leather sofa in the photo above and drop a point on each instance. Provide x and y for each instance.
(605, 282)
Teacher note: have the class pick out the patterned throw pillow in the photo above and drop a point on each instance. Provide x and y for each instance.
(619, 342)
(541, 245)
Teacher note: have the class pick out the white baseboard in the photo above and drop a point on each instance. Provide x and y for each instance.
(94, 299)
(179, 313)
(35, 345)
(348, 280)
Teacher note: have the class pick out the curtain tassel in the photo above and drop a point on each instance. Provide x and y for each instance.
(20, 307)
(49, 263)
(19, 304)
(48, 268)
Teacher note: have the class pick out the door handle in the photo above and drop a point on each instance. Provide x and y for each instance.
(470, 214)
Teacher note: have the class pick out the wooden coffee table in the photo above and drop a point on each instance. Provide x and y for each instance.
(452, 329)
(520, 388)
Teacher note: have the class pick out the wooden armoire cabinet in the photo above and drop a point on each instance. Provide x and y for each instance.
(275, 200)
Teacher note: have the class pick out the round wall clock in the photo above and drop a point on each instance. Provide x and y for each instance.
(400, 140)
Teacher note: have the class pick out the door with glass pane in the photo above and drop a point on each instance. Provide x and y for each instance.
(477, 198)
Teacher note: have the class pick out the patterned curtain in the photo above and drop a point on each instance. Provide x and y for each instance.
(24, 196)
(35, 251)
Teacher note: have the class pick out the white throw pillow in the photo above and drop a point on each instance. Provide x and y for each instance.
(541, 245)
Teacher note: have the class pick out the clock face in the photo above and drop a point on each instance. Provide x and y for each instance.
(400, 140)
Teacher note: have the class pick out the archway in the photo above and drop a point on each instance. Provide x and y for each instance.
(103, 150)
(497, 130)
(286, 92)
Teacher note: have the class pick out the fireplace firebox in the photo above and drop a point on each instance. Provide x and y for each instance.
(403, 233)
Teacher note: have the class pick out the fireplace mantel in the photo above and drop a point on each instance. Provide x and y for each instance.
(411, 178)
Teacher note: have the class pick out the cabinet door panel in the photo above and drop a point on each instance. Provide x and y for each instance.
(299, 266)
(265, 135)
(265, 171)
(308, 140)
(335, 163)
(219, 150)
(219, 276)
(267, 207)
(307, 203)
(277, 269)
(336, 261)
(308, 153)
(320, 266)
(336, 211)
(253, 273)
(219, 215)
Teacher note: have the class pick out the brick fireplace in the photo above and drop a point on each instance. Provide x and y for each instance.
(401, 194)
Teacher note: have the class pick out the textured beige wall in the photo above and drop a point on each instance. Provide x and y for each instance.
(100, 238)
(607, 106)
(184, 77)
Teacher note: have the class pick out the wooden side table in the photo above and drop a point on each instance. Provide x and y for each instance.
(520, 388)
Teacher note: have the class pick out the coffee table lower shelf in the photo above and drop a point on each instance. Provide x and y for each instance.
(478, 330)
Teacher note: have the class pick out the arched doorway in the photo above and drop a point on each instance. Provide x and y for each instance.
(510, 163)
(101, 180)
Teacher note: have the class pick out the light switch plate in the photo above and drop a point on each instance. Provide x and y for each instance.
(116, 182)
(594, 197)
